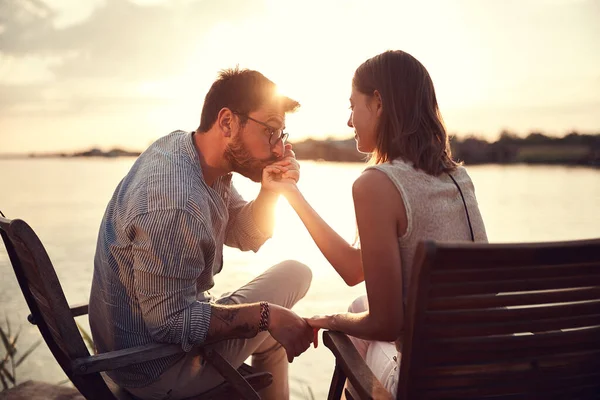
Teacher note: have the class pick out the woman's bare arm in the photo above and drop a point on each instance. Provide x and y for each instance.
(344, 258)
(380, 215)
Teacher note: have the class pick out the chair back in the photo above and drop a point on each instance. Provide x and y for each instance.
(49, 308)
(504, 321)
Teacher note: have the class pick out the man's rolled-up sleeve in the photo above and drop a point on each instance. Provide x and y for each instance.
(169, 249)
(242, 231)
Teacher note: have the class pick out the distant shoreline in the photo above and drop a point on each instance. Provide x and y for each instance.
(536, 148)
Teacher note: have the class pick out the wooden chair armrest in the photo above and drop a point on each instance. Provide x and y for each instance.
(79, 309)
(123, 358)
(366, 385)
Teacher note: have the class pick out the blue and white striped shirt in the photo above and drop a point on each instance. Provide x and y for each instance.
(159, 246)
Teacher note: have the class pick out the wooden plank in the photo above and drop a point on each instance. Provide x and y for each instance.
(565, 364)
(239, 384)
(509, 393)
(523, 379)
(499, 315)
(356, 370)
(473, 255)
(514, 299)
(511, 343)
(524, 387)
(514, 273)
(42, 266)
(78, 310)
(448, 290)
(123, 358)
(463, 355)
(503, 328)
(337, 383)
(45, 313)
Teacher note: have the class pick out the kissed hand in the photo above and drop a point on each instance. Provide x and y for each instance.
(282, 175)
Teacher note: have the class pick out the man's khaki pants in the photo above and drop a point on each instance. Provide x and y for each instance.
(284, 284)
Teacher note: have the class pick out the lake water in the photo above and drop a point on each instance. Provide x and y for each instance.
(64, 200)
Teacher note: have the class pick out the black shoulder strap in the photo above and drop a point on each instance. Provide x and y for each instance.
(465, 204)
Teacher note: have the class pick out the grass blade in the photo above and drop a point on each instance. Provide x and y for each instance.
(86, 337)
(10, 377)
(28, 352)
(7, 324)
(13, 341)
(5, 340)
(4, 384)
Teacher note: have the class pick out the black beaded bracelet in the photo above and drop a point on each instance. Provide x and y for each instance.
(263, 325)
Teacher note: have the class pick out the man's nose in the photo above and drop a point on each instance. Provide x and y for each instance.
(350, 122)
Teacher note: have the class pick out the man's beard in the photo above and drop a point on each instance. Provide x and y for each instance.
(242, 162)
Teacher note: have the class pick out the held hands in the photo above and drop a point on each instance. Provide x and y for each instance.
(317, 323)
(286, 327)
(282, 175)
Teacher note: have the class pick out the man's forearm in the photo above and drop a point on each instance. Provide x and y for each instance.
(263, 210)
(233, 322)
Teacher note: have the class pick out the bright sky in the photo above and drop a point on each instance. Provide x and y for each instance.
(81, 73)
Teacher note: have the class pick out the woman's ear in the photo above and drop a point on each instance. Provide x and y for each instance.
(378, 104)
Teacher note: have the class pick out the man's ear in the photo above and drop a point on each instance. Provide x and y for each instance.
(378, 103)
(225, 121)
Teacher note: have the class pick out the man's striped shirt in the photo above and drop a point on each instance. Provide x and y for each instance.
(159, 246)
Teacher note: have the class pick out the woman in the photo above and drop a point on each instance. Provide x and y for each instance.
(412, 193)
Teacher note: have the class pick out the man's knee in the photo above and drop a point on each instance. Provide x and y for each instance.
(295, 276)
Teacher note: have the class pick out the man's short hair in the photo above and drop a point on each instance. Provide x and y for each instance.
(242, 91)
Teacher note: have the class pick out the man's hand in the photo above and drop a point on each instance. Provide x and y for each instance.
(294, 334)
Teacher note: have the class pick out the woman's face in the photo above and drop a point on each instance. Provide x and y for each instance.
(365, 112)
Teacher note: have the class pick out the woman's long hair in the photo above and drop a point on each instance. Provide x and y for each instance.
(411, 126)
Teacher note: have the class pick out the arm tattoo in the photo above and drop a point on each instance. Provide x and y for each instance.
(230, 322)
(226, 314)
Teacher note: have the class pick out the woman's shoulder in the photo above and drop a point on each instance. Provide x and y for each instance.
(402, 171)
(371, 181)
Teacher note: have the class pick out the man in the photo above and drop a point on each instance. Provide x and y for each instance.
(161, 242)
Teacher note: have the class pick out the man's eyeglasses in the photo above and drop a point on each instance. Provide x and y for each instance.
(275, 134)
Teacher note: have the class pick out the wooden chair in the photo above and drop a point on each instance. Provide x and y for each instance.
(501, 321)
(55, 320)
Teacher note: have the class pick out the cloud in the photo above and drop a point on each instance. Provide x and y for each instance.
(119, 44)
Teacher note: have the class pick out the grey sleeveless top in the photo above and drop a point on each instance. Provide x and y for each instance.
(434, 209)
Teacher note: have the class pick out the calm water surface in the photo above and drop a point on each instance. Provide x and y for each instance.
(64, 200)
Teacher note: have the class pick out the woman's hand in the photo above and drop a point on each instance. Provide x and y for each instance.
(319, 322)
(281, 176)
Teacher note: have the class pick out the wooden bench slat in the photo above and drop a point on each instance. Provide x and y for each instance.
(524, 379)
(550, 363)
(503, 328)
(510, 272)
(500, 315)
(465, 355)
(522, 389)
(516, 342)
(493, 300)
(463, 289)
